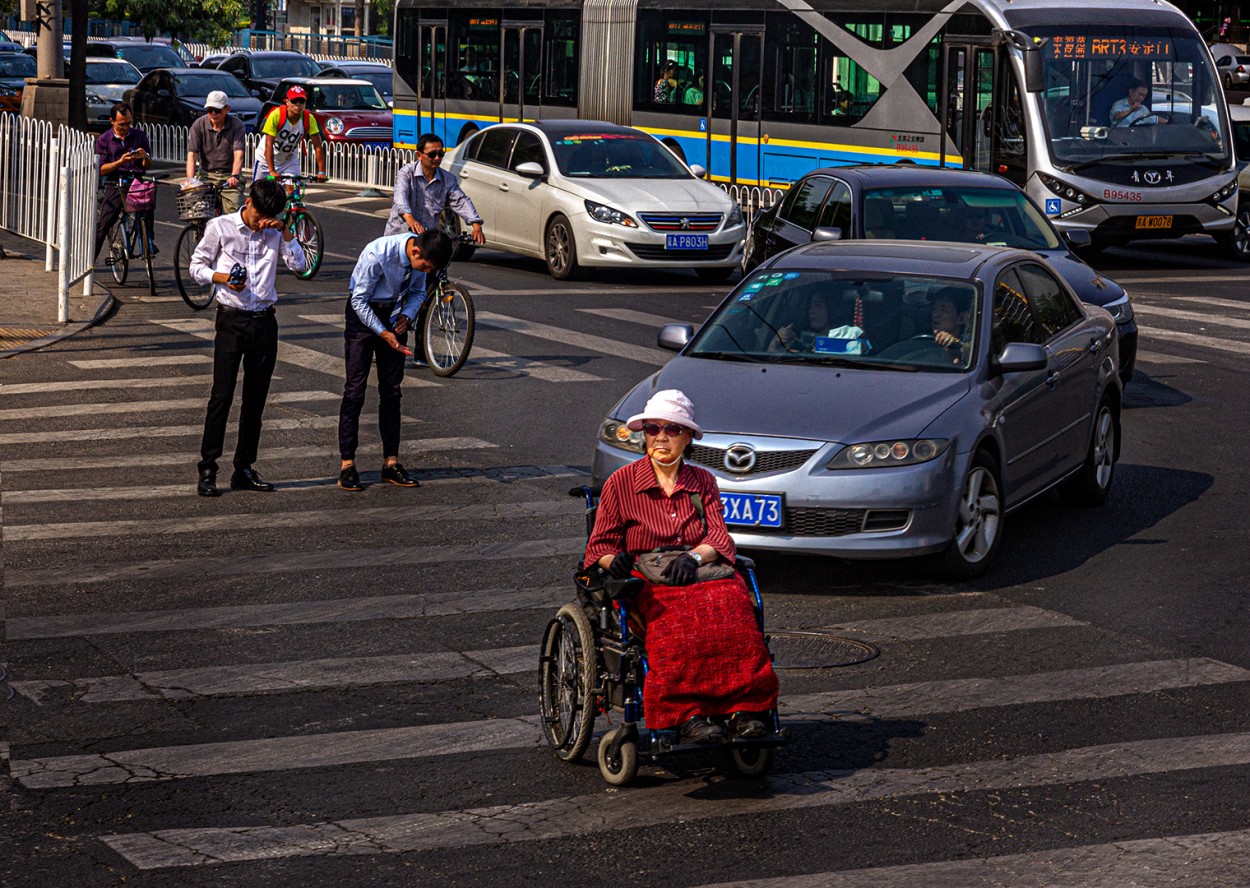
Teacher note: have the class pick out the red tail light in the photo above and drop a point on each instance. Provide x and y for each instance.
(1241, 69)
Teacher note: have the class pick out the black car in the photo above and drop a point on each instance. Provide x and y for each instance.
(910, 202)
(259, 71)
(143, 55)
(15, 67)
(176, 96)
(375, 72)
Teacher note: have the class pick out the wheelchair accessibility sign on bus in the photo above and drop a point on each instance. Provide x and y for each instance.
(1053, 206)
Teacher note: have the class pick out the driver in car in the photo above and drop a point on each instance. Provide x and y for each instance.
(1132, 110)
(950, 312)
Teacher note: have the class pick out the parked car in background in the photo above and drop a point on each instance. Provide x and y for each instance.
(911, 202)
(7, 45)
(837, 423)
(143, 55)
(261, 70)
(15, 67)
(381, 76)
(584, 193)
(1234, 69)
(176, 96)
(213, 60)
(107, 82)
(346, 110)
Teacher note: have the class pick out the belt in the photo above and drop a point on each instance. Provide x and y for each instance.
(387, 307)
(231, 310)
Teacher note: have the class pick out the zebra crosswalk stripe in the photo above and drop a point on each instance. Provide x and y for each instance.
(79, 385)
(1178, 336)
(94, 409)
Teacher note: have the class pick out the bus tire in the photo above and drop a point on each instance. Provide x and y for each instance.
(674, 146)
(1237, 242)
(466, 132)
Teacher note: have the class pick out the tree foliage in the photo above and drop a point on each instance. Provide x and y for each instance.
(205, 21)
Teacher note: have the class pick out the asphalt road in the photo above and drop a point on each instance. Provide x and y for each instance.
(310, 687)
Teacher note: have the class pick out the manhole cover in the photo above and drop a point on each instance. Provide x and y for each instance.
(817, 650)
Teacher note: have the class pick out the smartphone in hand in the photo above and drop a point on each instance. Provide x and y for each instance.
(238, 275)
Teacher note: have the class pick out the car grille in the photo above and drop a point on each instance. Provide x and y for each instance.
(673, 221)
(765, 460)
(823, 522)
(372, 133)
(657, 253)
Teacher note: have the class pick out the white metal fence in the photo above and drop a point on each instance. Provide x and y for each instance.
(48, 194)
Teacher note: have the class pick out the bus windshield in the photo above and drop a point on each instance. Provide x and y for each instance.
(1121, 93)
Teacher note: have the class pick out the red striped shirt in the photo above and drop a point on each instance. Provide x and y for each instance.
(635, 515)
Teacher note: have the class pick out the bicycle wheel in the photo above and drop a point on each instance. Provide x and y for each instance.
(192, 291)
(447, 329)
(118, 262)
(308, 233)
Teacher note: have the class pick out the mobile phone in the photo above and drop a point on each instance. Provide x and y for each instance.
(238, 275)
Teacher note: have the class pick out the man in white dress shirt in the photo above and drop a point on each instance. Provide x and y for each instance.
(238, 255)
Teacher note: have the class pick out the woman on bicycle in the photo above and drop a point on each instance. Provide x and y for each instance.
(123, 149)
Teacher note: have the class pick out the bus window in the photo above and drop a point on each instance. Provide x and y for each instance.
(795, 58)
(560, 59)
(670, 73)
(476, 41)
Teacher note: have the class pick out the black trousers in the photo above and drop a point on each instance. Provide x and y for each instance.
(361, 346)
(253, 342)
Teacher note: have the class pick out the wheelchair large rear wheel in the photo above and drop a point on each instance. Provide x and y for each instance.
(567, 674)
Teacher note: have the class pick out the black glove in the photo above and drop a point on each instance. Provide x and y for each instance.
(682, 570)
(622, 566)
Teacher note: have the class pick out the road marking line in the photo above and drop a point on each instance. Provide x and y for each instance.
(963, 622)
(671, 802)
(179, 569)
(1188, 861)
(140, 361)
(635, 317)
(309, 359)
(119, 434)
(77, 385)
(385, 515)
(1161, 358)
(1200, 300)
(1227, 345)
(586, 341)
(1212, 319)
(93, 409)
(1193, 279)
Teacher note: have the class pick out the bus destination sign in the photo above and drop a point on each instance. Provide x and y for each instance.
(1087, 46)
(483, 24)
(687, 28)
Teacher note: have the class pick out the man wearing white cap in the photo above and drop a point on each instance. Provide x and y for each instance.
(216, 140)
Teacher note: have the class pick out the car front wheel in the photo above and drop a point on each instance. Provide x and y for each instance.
(978, 522)
(561, 249)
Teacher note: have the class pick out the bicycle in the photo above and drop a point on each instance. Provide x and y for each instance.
(446, 322)
(307, 228)
(196, 206)
(125, 235)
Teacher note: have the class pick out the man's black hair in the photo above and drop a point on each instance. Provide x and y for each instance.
(959, 297)
(426, 139)
(268, 197)
(435, 246)
(1136, 83)
(120, 108)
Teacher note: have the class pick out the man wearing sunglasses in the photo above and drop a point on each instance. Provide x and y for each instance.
(423, 190)
(216, 141)
(283, 130)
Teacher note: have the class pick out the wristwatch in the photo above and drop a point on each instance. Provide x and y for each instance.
(698, 559)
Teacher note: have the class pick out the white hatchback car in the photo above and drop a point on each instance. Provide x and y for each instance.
(583, 193)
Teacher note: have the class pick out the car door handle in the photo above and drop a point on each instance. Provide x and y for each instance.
(1095, 344)
(1053, 379)
(503, 186)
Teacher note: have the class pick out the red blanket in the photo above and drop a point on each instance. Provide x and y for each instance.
(706, 652)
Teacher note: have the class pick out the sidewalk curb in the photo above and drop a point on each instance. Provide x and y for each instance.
(104, 305)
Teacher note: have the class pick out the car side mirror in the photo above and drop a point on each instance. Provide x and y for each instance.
(1078, 237)
(675, 337)
(530, 170)
(826, 233)
(698, 171)
(1020, 356)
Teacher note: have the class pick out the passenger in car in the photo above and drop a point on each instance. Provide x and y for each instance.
(800, 334)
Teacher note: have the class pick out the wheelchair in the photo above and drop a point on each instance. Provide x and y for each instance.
(593, 660)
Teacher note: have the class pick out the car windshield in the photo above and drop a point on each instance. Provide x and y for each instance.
(17, 66)
(877, 322)
(150, 55)
(1119, 93)
(284, 66)
(999, 216)
(347, 98)
(615, 155)
(112, 72)
(203, 84)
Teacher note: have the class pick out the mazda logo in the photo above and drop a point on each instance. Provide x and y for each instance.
(740, 458)
(1152, 177)
(685, 224)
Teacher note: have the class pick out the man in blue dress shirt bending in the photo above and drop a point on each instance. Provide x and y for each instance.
(387, 289)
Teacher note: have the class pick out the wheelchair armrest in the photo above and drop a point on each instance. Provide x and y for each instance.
(743, 563)
(626, 588)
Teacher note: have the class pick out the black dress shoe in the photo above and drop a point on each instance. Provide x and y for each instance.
(700, 729)
(397, 474)
(248, 479)
(349, 479)
(744, 725)
(208, 484)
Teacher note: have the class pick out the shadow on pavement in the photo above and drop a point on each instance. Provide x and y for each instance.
(1144, 392)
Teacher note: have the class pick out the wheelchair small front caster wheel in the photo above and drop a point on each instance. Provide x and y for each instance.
(752, 761)
(621, 768)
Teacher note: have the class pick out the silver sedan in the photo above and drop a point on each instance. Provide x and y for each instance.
(877, 399)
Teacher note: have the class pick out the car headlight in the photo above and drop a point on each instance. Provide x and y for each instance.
(614, 433)
(602, 213)
(1224, 193)
(883, 454)
(735, 217)
(1121, 309)
(334, 126)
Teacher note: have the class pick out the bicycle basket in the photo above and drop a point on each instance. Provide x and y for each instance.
(195, 204)
(141, 196)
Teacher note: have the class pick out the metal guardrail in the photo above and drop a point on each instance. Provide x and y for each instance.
(752, 198)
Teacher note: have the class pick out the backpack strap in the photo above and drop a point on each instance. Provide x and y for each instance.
(696, 500)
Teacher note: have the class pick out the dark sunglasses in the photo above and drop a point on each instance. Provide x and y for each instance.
(671, 429)
(298, 101)
(434, 155)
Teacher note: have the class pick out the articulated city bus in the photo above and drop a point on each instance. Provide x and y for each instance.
(1110, 115)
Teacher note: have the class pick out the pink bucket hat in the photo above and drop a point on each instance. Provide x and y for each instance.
(670, 405)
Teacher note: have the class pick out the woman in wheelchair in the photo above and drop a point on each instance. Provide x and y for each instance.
(710, 674)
